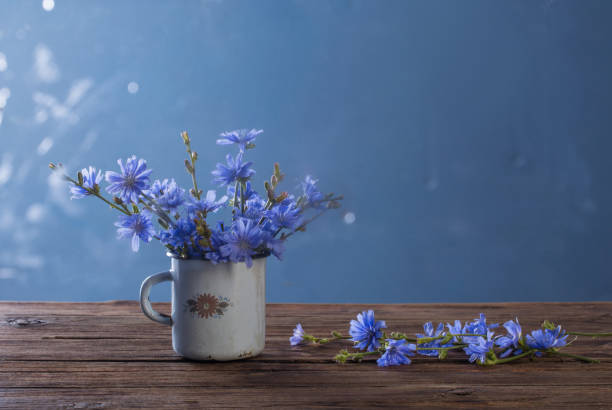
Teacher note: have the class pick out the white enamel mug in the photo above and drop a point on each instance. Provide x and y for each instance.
(218, 311)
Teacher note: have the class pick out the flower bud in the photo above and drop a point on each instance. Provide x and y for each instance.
(548, 325)
(117, 200)
(185, 137)
(342, 356)
(80, 177)
(269, 191)
(194, 156)
(52, 165)
(281, 197)
(333, 205)
(277, 173)
(188, 166)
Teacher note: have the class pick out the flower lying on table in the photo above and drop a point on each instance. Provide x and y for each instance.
(477, 339)
(259, 225)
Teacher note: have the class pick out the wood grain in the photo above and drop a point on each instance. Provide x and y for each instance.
(108, 355)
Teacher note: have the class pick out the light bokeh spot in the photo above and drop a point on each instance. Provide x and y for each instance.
(48, 5)
(3, 63)
(349, 218)
(35, 213)
(44, 146)
(133, 87)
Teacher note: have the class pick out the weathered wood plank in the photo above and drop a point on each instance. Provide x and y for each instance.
(550, 372)
(109, 355)
(456, 396)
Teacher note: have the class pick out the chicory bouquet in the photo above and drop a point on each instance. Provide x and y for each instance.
(259, 224)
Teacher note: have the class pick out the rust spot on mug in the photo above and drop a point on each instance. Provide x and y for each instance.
(245, 354)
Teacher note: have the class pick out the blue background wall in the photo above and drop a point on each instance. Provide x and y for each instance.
(471, 139)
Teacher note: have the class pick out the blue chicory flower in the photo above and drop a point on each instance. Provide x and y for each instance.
(285, 215)
(396, 353)
(478, 348)
(168, 195)
(241, 137)
(91, 178)
(131, 182)
(478, 326)
(366, 331)
(544, 339)
(242, 241)
(249, 193)
(512, 340)
(207, 205)
(181, 234)
(255, 208)
(137, 227)
(430, 332)
(275, 246)
(455, 329)
(298, 335)
(235, 170)
(216, 242)
(314, 198)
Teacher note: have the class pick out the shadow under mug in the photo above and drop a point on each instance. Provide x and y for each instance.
(218, 311)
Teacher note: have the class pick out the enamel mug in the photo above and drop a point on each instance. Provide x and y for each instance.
(218, 311)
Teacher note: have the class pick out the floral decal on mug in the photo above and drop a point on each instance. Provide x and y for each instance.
(206, 305)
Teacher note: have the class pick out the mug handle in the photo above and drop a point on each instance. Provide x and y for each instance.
(145, 303)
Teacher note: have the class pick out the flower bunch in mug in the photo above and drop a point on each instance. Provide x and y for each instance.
(259, 225)
(477, 339)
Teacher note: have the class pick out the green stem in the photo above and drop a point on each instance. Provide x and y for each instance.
(96, 194)
(299, 228)
(195, 184)
(323, 340)
(148, 198)
(357, 356)
(509, 359)
(192, 170)
(159, 212)
(590, 334)
(267, 207)
(575, 356)
(242, 192)
(441, 348)
(400, 336)
(431, 339)
(327, 198)
(235, 198)
(365, 353)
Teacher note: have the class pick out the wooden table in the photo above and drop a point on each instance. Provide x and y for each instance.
(108, 355)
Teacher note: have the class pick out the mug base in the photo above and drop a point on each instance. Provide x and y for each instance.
(210, 357)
